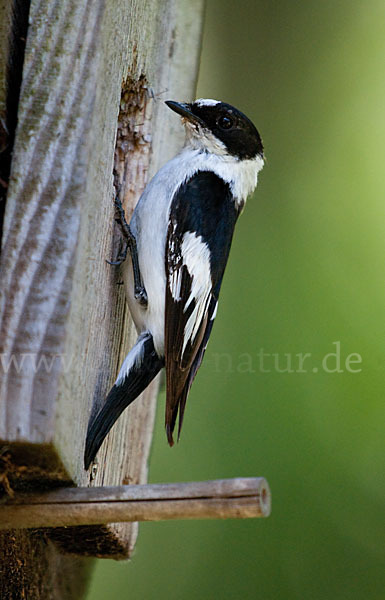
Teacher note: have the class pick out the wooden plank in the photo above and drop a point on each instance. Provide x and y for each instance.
(64, 327)
(13, 33)
(221, 499)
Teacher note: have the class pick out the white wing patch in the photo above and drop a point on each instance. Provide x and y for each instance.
(206, 102)
(214, 312)
(174, 274)
(196, 257)
(175, 284)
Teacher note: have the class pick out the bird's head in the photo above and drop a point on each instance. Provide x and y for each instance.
(219, 128)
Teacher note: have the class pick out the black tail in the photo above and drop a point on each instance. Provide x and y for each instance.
(140, 367)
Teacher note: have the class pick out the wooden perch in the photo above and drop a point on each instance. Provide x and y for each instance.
(221, 499)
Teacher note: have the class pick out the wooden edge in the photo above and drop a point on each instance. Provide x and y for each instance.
(221, 499)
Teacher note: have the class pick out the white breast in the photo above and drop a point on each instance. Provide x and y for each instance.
(149, 224)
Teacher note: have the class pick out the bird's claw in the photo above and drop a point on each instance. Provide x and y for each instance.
(141, 296)
(115, 263)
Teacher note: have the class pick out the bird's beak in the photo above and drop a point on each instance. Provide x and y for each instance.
(184, 110)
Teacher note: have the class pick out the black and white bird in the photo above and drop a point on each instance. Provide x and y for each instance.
(183, 225)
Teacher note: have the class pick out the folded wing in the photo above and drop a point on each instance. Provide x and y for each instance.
(201, 225)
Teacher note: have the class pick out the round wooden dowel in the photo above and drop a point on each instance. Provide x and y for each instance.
(220, 499)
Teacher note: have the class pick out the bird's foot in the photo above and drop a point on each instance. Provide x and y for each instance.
(141, 296)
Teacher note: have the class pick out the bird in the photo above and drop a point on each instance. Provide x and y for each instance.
(179, 238)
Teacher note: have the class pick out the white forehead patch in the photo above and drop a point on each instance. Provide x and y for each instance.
(206, 102)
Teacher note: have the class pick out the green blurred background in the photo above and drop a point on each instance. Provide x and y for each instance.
(306, 271)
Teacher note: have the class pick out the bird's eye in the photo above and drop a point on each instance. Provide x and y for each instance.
(225, 122)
